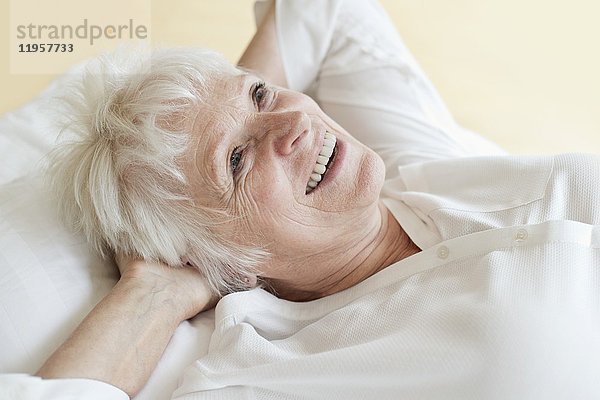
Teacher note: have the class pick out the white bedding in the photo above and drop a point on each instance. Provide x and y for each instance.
(49, 277)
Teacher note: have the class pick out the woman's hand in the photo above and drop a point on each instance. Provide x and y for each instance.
(184, 286)
(124, 336)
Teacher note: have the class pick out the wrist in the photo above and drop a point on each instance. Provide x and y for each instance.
(181, 291)
(152, 296)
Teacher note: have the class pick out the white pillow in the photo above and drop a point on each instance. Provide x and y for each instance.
(28, 133)
(49, 278)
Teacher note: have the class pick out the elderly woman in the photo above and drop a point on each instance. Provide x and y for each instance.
(427, 264)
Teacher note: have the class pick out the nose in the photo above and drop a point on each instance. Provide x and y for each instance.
(290, 128)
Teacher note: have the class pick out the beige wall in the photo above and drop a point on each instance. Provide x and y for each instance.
(524, 73)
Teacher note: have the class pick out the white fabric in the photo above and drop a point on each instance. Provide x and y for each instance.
(444, 199)
(25, 387)
(503, 302)
(493, 316)
(49, 278)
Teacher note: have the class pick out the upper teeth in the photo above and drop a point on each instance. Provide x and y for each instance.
(320, 167)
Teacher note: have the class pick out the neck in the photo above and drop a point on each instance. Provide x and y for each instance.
(379, 248)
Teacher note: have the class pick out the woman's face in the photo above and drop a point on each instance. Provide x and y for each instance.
(254, 150)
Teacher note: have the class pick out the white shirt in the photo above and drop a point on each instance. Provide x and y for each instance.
(503, 301)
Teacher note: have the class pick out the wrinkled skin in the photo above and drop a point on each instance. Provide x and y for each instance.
(312, 237)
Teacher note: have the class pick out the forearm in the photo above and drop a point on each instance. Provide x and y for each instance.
(262, 54)
(120, 341)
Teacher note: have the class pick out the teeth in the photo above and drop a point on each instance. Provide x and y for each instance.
(316, 177)
(319, 169)
(326, 151)
(329, 141)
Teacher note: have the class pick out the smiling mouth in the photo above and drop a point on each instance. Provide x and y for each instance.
(324, 160)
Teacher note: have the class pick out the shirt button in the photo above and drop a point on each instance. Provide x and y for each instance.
(443, 252)
(521, 235)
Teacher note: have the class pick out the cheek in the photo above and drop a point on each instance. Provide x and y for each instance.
(268, 186)
(358, 186)
(371, 176)
(263, 199)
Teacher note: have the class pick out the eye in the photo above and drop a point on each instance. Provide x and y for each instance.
(259, 93)
(235, 159)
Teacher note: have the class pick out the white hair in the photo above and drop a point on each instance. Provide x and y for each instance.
(117, 176)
